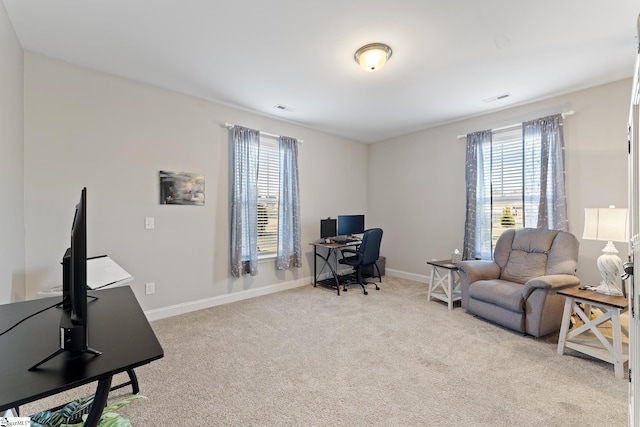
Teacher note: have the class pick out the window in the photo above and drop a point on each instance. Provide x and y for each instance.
(505, 166)
(506, 170)
(265, 207)
(268, 190)
(515, 179)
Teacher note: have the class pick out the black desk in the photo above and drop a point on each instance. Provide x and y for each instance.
(117, 327)
(332, 251)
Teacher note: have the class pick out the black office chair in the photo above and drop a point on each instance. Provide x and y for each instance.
(366, 255)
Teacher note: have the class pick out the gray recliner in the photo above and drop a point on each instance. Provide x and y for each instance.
(518, 289)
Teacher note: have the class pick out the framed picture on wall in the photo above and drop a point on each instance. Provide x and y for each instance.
(181, 188)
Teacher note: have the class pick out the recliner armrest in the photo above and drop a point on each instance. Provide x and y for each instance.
(475, 270)
(553, 282)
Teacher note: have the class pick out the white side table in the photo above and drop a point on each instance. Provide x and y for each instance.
(445, 282)
(592, 341)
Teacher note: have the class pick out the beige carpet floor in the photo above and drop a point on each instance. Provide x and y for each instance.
(306, 357)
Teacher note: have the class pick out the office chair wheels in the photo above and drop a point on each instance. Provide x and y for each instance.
(374, 284)
(365, 292)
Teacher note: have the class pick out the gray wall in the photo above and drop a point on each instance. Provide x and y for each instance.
(12, 264)
(112, 135)
(420, 177)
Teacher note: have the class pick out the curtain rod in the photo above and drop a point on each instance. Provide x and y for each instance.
(270, 135)
(565, 114)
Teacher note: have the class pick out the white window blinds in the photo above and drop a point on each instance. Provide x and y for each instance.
(507, 181)
(268, 190)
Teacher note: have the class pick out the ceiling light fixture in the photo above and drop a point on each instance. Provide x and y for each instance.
(372, 57)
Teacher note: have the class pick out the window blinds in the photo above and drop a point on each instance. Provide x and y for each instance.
(268, 190)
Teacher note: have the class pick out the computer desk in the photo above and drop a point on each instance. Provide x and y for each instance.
(117, 327)
(332, 252)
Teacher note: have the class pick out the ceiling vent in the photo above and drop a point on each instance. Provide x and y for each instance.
(497, 97)
(283, 108)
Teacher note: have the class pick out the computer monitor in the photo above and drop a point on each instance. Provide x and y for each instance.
(350, 224)
(328, 228)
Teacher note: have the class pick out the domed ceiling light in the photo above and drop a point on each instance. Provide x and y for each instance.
(372, 57)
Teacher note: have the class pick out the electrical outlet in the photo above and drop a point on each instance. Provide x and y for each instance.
(150, 288)
(149, 223)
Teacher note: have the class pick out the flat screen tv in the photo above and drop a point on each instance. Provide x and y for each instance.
(350, 224)
(74, 328)
(77, 283)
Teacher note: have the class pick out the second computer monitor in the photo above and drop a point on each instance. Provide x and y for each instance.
(350, 224)
(328, 228)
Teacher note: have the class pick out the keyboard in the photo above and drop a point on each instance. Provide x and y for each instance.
(346, 241)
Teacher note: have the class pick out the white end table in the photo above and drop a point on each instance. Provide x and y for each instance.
(445, 282)
(592, 341)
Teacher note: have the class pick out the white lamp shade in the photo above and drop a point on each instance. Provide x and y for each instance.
(607, 224)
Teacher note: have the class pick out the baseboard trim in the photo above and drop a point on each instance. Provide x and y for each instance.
(187, 307)
(406, 275)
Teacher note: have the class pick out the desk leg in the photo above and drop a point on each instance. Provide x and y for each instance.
(99, 402)
(133, 382)
(133, 378)
(315, 276)
(327, 261)
(334, 271)
(564, 328)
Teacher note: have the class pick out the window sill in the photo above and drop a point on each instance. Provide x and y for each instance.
(267, 257)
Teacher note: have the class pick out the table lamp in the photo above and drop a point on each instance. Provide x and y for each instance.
(609, 225)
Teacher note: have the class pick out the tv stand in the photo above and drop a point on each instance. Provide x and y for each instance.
(73, 338)
(62, 350)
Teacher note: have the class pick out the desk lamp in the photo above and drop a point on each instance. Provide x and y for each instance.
(609, 225)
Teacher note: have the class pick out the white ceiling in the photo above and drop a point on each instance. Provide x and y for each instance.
(448, 55)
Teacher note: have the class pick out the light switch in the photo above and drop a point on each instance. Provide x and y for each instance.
(150, 288)
(149, 223)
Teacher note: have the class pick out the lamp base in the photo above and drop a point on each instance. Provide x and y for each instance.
(606, 290)
(610, 266)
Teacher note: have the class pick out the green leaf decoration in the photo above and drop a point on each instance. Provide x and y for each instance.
(119, 404)
(75, 413)
(112, 419)
(40, 419)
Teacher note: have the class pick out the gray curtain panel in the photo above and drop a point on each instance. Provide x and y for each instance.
(289, 251)
(477, 234)
(245, 147)
(544, 188)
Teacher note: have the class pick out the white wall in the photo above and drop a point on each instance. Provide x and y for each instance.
(417, 182)
(112, 135)
(12, 264)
